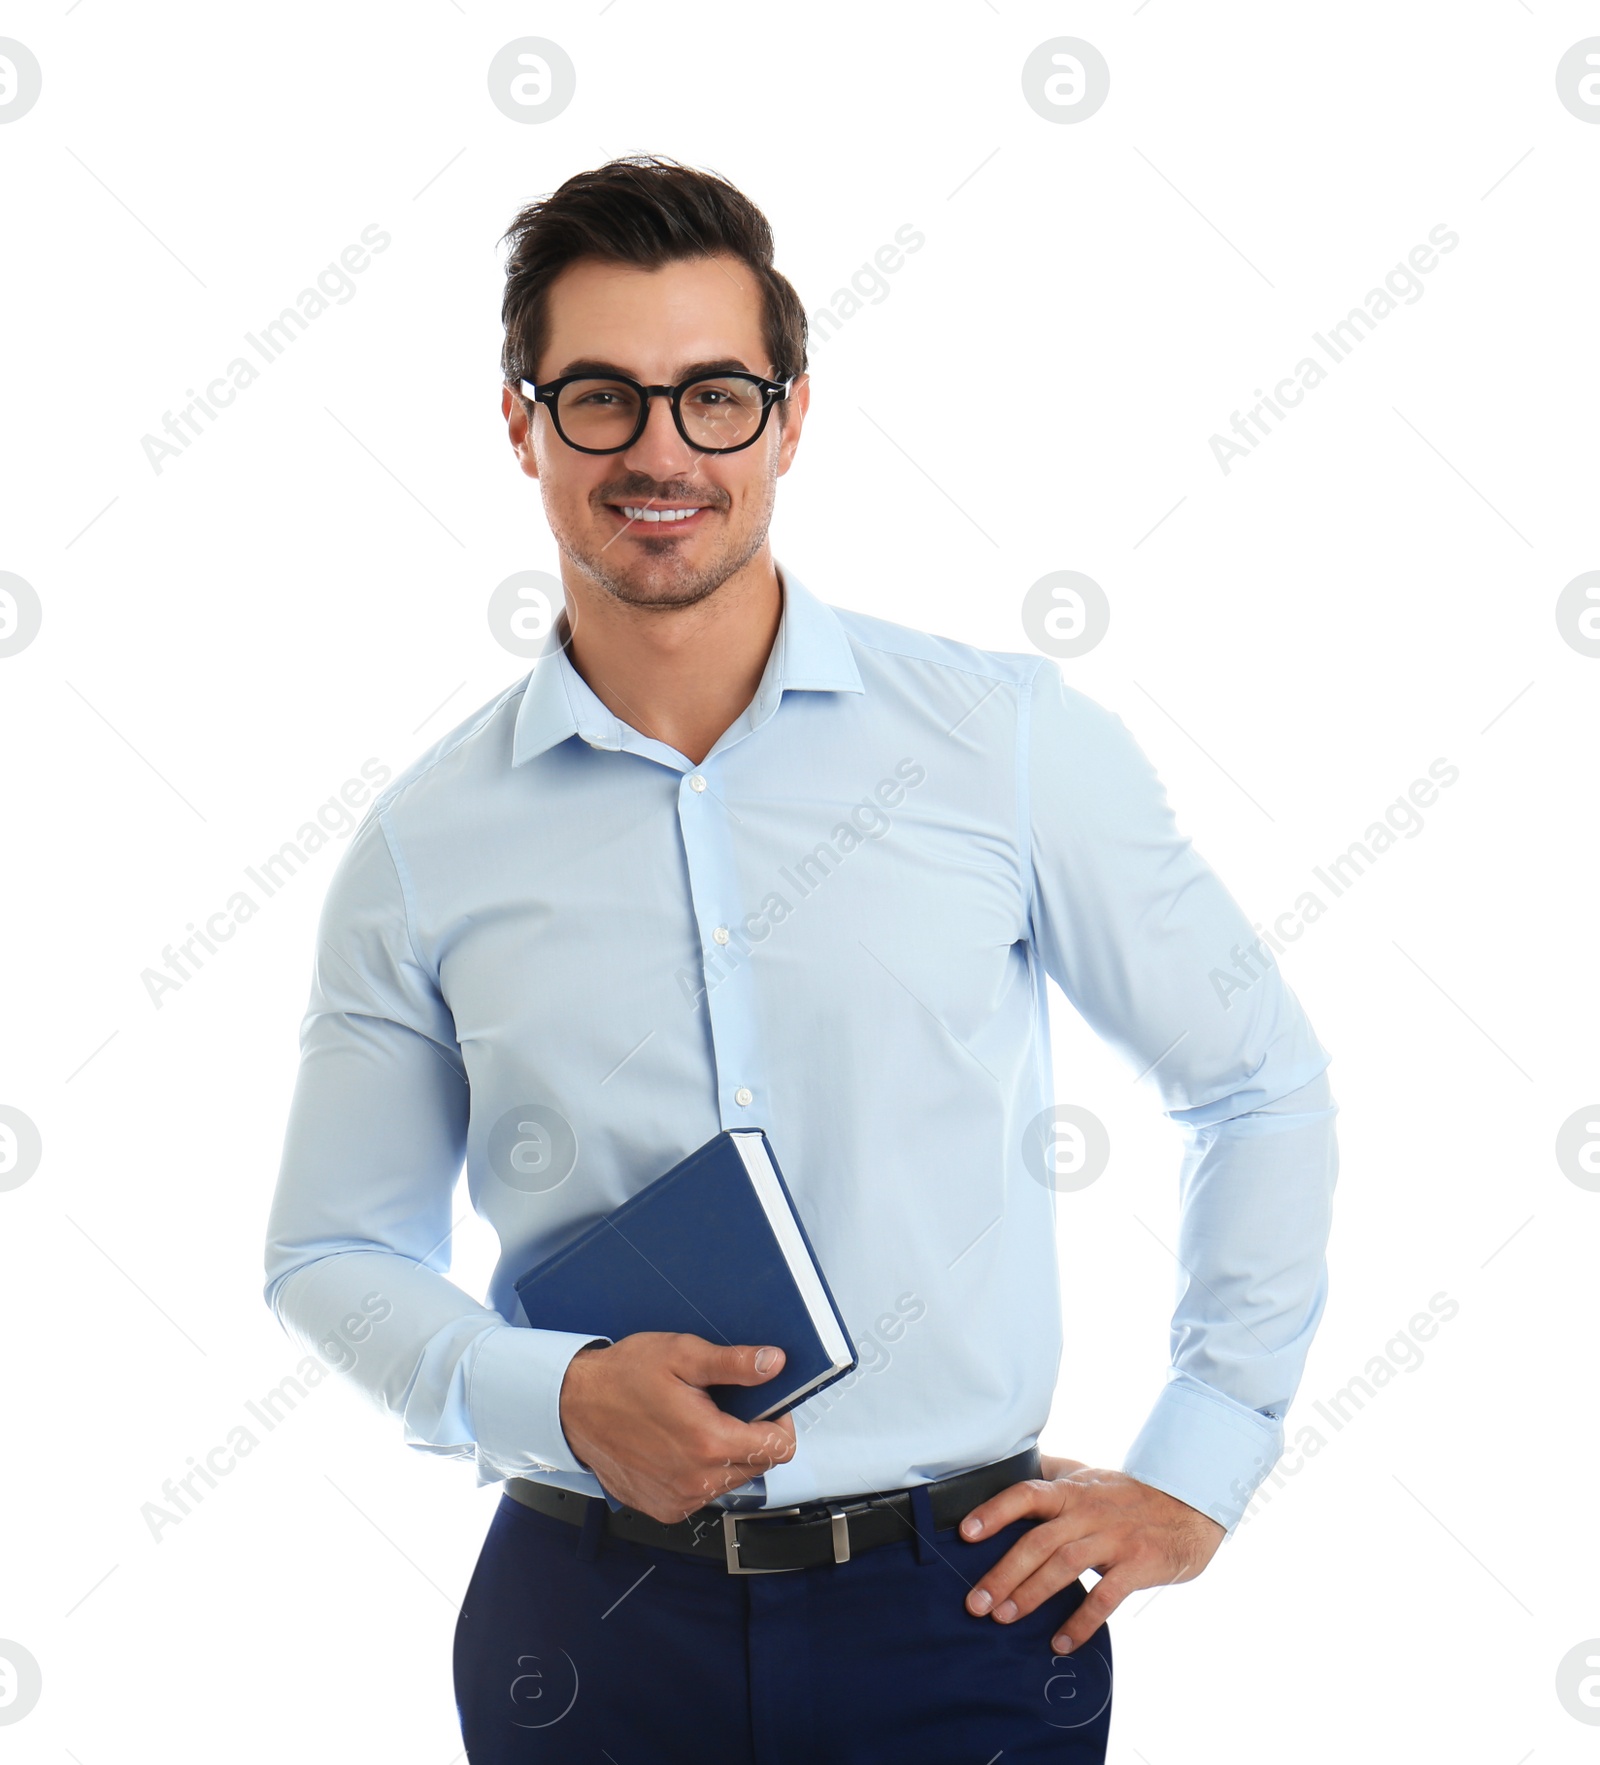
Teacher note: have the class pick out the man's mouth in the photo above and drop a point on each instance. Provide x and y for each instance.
(661, 514)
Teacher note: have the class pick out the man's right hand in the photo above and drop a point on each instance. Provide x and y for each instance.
(636, 1413)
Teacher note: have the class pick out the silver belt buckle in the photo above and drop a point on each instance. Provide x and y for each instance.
(730, 1539)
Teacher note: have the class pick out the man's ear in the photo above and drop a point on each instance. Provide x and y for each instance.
(794, 409)
(519, 429)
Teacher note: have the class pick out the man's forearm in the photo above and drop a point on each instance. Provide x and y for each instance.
(1257, 1193)
(462, 1381)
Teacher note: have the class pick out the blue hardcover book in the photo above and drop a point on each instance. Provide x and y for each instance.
(715, 1248)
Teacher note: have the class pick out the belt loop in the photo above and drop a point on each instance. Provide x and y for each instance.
(592, 1531)
(922, 1519)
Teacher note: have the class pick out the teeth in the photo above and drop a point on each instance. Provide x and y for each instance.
(659, 514)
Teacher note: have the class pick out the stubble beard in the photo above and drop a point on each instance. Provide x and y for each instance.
(659, 579)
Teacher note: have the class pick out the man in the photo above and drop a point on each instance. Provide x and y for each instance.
(729, 857)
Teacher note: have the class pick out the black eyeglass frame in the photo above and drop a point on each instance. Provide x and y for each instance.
(772, 392)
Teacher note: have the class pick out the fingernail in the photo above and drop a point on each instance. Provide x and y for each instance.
(981, 1601)
(1006, 1611)
(1062, 1645)
(971, 1528)
(766, 1359)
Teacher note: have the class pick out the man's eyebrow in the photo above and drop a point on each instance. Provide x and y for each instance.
(728, 364)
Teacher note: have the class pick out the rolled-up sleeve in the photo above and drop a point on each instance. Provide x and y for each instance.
(359, 1234)
(1161, 962)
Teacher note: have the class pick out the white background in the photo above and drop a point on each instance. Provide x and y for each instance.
(225, 641)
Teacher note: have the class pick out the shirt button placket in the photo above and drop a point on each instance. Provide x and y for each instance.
(726, 963)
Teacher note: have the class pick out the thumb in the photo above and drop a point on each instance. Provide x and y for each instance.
(740, 1364)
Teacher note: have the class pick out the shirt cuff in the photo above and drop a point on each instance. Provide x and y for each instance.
(1205, 1449)
(514, 1401)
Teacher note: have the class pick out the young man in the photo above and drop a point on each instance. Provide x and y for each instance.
(729, 857)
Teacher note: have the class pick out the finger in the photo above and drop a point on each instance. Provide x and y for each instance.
(770, 1443)
(705, 1363)
(744, 1449)
(1059, 1569)
(731, 1470)
(1036, 1498)
(1052, 1467)
(996, 1591)
(1103, 1599)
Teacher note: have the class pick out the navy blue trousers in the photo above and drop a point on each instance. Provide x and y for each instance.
(589, 1648)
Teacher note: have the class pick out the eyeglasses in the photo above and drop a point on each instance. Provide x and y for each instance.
(606, 413)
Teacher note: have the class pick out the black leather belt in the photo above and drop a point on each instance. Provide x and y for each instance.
(761, 1541)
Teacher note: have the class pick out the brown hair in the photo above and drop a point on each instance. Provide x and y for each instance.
(645, 210)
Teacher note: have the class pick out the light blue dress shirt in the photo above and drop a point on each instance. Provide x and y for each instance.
(836, 927)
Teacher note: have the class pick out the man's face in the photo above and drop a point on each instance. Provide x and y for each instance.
(658, 327)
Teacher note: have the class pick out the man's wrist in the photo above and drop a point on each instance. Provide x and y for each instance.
(588, 1350)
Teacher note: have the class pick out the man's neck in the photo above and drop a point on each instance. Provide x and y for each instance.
(681, 675)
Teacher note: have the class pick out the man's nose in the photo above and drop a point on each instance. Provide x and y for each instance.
(661, 452)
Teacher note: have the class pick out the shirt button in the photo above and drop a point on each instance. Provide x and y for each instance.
(744, 1097)
(721, 934)
(697, 783)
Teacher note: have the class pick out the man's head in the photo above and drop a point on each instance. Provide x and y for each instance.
(648, 269)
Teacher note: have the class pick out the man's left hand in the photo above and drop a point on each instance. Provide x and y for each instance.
(1131, 1535)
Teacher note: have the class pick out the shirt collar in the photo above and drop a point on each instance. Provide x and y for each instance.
(811, 653)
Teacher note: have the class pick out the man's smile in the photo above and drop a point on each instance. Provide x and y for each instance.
(678, 516)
